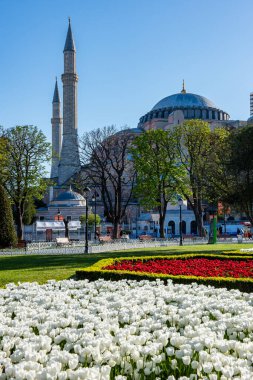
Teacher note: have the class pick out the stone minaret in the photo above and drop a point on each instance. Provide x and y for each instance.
(56, 132)
(70, 160)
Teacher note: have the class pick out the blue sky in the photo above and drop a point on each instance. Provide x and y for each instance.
(130, 54)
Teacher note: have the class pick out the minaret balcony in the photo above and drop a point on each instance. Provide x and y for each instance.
(69, 78)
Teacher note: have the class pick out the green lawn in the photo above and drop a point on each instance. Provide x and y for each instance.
(42, 268)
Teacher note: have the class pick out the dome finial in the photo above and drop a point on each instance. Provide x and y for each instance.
(183, 89)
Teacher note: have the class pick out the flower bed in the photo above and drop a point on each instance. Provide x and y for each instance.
(204, 267)
(232, 271)
(125, 330)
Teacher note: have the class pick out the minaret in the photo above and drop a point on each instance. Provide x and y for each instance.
(70, 160)
(56, 132)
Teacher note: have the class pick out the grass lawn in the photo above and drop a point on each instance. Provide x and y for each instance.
(41, 268)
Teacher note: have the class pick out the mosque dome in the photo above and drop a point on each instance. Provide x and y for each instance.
(69, 196)
(184, 100)
(191, 106)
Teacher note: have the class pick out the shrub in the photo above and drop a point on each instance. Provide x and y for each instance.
(7, 230)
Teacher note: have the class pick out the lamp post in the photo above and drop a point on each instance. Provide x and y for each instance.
(94, 199)
(225, 223)
(58, 218)
(180, 203)
(86, 193)
(212, 210)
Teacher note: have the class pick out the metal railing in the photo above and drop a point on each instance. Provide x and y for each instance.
(78, 247)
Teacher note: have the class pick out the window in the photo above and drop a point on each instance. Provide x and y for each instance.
(193, 227)
(183, 227)
(68, 218)
(171, 227)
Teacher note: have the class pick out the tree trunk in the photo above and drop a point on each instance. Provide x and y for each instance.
(115, 229)
(162, 214)
(199, 221)
(66, 224)
(161, 224)
(20, 226)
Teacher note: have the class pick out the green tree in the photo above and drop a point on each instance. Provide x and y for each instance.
(237, 187)
(199, 148)
(24, 169)
(91, 219)
(160, 177)
(107, 167)
(30, 211)
(7, 231)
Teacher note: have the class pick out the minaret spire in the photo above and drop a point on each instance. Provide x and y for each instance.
(56, 98)
(69, 43)
(70, 161)
(56, 122)
(183, 89)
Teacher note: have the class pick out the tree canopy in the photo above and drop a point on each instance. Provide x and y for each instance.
(160, 177)
(7, 231)
(105, 158)
(23, 171)
(200, 151)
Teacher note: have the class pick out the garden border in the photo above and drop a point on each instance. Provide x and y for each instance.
(96, 271)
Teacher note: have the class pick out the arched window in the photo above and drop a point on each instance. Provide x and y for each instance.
(183, 227)
(193, 227)
(171, 227)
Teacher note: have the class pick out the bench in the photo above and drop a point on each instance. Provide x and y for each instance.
(105, 239)
(22, 244)
(145, 238)
(62, 241)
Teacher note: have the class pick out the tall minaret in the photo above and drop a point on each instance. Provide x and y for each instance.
(56, 132)
(70, 160)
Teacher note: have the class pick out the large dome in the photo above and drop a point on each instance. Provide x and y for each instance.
(184, 100)
(176, 108)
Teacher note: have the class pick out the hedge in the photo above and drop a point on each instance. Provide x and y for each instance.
(96, 271)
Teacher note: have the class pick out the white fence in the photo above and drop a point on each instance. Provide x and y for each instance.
(51, 248)
(76, 248)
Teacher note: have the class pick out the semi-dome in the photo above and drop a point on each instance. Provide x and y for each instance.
(184, 100)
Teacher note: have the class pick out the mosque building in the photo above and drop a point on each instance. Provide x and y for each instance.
(168, 112)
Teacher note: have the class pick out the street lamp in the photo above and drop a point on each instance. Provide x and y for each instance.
(58, 218)
(180, 203)
(86, 193)
(94, 199)
(212, 210)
